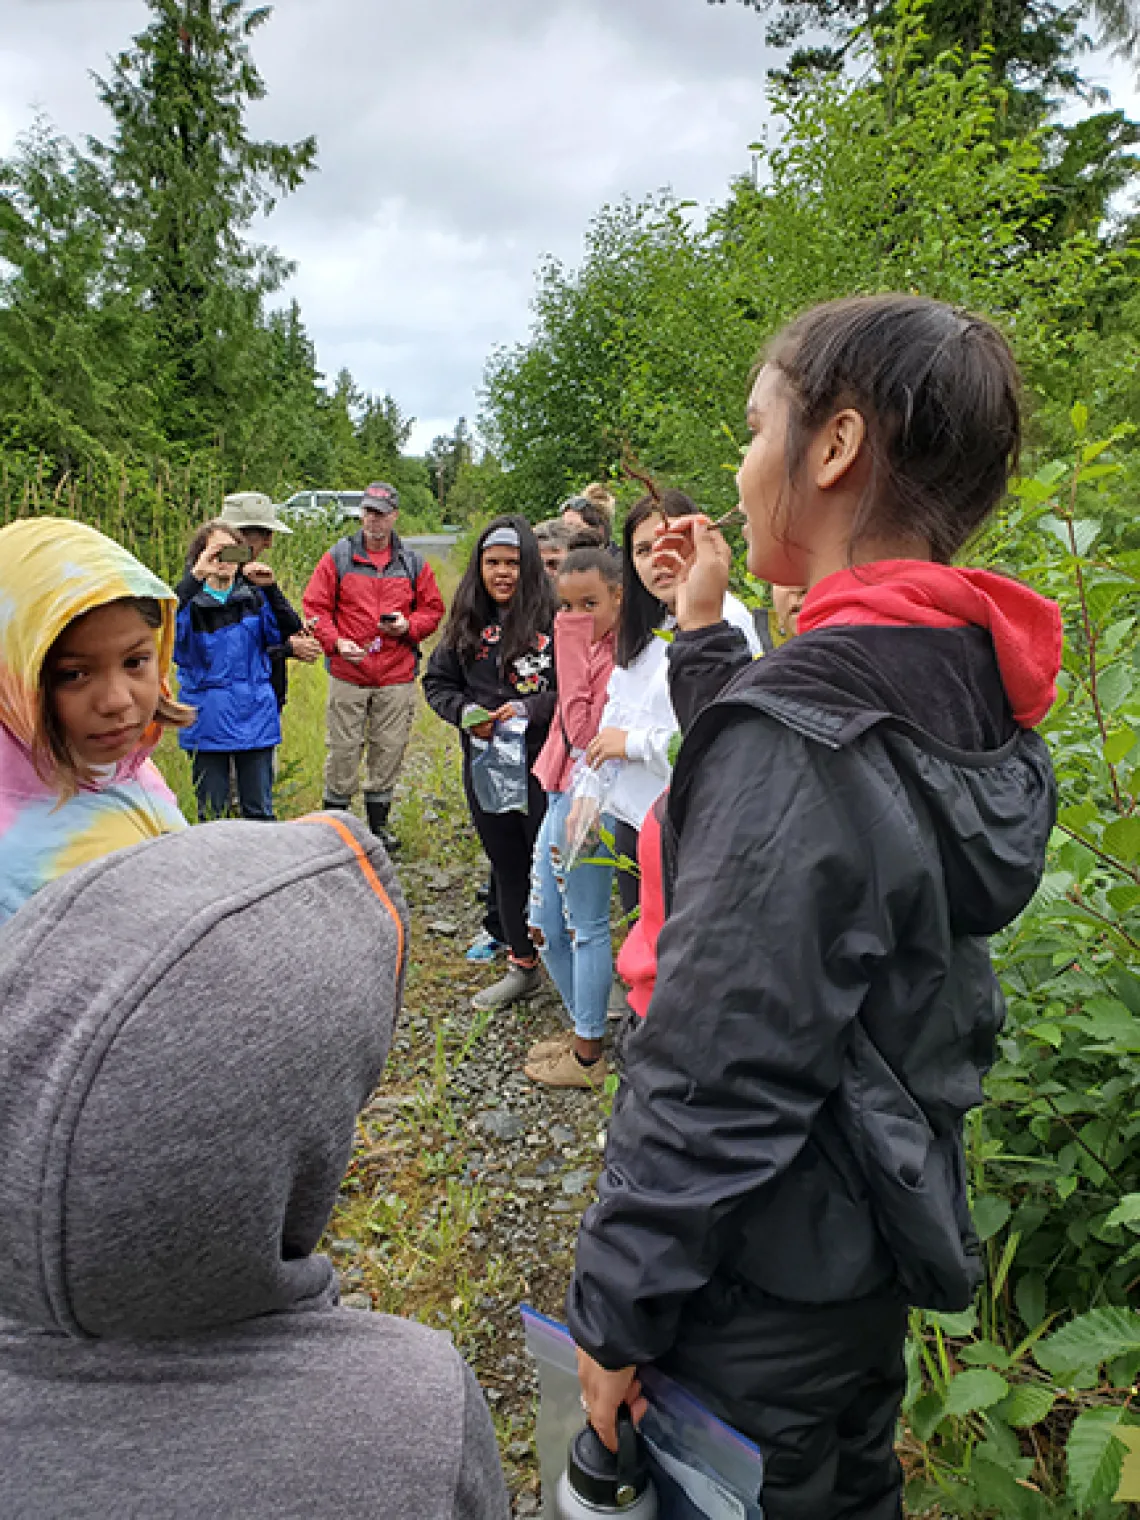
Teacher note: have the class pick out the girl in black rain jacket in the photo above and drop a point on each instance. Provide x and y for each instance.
(496, 653)
(850, 817)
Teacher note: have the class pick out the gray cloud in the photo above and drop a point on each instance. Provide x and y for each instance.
(459, 143)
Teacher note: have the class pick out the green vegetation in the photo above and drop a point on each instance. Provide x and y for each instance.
(137, 342)
(142, 375)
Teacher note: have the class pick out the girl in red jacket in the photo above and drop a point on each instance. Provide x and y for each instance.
(570, 909)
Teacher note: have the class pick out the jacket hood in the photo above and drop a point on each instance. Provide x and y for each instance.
(188, 1030)
(935, 697)
(51, 572)
(1025, 628)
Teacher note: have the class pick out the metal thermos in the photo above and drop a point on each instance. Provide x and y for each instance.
(596, 1482)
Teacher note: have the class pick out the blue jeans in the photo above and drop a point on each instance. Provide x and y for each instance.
(571, 911)
(254, 771)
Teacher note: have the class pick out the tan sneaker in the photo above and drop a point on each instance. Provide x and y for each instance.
(565, 1070)
(552, 1045)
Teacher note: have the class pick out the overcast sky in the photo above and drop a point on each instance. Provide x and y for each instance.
(460, 141)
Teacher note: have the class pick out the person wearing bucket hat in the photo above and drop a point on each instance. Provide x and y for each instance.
(371, 602)
(255, 517)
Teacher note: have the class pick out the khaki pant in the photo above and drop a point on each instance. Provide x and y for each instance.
(376, 719)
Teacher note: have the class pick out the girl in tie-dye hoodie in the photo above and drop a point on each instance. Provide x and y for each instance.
(86, 636)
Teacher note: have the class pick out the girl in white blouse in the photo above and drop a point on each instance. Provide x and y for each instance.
(637, 724)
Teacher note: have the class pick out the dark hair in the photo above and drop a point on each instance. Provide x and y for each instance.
(531, 609)
(641, 611)
(584, 558)
(585, 538)
(201, 537)
(939, 391)
(590, 513)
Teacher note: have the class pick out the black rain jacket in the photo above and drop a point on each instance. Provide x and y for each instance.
(849, 819)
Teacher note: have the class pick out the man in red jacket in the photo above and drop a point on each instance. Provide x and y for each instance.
(371, 602)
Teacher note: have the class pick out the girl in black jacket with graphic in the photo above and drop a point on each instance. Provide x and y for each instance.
(497, 653)
(849, 818)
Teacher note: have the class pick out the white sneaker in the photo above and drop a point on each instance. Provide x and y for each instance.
(520, 982)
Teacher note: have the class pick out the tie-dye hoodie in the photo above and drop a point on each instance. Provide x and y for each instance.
(51, 572)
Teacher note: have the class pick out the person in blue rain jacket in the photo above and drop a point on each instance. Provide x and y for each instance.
(225, 631)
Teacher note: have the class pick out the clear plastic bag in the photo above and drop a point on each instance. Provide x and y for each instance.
(589, 792)
(702, 1468)
(499, 771)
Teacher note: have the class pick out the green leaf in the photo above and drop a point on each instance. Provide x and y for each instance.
(1079, 417)
(1095, 1456)
(1086, 531)
(926, 1416)
(984, 1354)
(1118, 746)
(1114, 686)
(1122, 839)
(1127, 1211)
(1087, 1341)
(1052, 472)
(1031, 1299)
(980, 1388)
(1049, 1034)
(962, 1322)
(1027, 1404)
(990, 1213)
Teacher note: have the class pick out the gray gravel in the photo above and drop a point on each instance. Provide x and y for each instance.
(532, 1153)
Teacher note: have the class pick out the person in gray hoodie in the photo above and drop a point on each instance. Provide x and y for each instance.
(188, 1030)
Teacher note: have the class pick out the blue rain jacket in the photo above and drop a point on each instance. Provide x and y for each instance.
(222, 653)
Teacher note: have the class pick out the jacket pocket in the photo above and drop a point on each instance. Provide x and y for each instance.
(915, 1186)
(812, 1238)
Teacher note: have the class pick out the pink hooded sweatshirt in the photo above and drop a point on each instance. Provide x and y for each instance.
(583, 671)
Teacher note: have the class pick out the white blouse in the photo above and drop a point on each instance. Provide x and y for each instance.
(637, 700)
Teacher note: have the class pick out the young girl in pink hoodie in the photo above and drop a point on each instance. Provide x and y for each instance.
(570, 910)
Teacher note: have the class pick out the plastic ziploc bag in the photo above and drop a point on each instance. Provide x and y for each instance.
(589, 792)
(702, 1468)
(499, 772)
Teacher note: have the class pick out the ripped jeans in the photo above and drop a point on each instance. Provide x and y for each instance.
(570, 910)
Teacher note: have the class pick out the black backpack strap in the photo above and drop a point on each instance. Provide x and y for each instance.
(411, 564)
(341, 554)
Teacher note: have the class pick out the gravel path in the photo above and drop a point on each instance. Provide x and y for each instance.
(468, 1181)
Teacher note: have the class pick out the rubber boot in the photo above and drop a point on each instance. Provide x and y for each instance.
(378, 807)
(328, 805)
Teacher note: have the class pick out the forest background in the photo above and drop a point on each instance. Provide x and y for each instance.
(947, 147)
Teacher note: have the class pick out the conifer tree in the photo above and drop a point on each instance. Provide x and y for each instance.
(188, 180)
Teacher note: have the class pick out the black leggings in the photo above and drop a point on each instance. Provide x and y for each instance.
(628, 885)
(508, 839)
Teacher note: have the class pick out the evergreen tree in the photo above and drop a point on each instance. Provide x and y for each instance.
(188, 180)
(1036, 43)
(71, 345)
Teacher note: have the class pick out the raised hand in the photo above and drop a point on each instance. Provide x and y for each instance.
(695, 552)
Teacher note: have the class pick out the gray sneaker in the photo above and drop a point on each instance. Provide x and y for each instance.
(519, 982)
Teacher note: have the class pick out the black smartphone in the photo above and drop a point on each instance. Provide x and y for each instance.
(235, 554)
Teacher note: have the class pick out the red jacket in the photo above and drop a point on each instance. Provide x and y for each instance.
(637, 959)
(347, 593)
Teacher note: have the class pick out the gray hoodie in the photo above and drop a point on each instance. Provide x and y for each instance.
(188, 1030)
